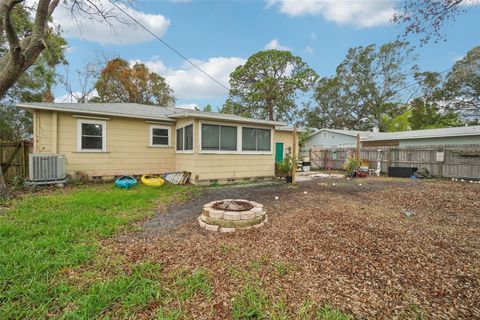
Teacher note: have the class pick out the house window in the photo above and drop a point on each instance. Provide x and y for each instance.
(185, 138)
(159, 136)
(219, 138)
(254, 139)
(91, 135)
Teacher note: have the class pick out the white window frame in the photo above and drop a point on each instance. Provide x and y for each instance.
(156, 126)
(176, 137)
(103, 123)
(239, 138)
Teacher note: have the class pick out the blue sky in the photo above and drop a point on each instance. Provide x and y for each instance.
(219, 35)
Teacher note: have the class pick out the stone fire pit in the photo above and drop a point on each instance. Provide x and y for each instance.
(231, 214)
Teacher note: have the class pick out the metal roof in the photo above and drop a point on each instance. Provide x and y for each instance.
(134, 110)
(405, 135)
(422, 134)
(352, 133)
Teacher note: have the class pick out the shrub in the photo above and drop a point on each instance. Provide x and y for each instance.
(285, 167)
(351, 165)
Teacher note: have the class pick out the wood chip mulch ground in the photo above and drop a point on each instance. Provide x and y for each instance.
(346, 245)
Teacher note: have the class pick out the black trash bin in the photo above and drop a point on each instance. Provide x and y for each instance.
(401, 172)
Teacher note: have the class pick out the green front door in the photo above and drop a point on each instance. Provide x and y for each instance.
(279, 152)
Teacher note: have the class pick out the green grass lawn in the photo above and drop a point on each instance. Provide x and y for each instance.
(51, 266)
(44, 235)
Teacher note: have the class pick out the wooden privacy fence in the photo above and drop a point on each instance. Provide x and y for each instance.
(14, 159)
(449, 161)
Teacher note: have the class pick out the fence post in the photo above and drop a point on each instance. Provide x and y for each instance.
(24, 165)
(310, 157)
(440, 164)
(358, 146)
(389, 158)
(294, 151)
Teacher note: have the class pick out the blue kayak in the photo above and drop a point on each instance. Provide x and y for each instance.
(125, 182)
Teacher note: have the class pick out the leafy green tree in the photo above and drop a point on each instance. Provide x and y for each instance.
(430, 109)
(425, 115)
(329, 110)
(208, 108)
(398, 123)
(462, 88)
(367, 89)
(35, 84)
(266, 86)
(119, 82)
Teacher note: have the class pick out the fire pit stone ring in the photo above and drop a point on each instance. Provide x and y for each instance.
(229, 215)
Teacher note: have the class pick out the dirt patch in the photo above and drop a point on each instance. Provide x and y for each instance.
(347, 245)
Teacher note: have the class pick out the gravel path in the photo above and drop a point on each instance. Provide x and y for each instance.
(188, 211)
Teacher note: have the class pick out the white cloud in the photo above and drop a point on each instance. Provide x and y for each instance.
(189, 83)
(362, 13)
(471, 2)
(309, 50)
(313, 36)
(274, 44)
(189, 106)
(120, 29)
(73, 97)
(66, 98)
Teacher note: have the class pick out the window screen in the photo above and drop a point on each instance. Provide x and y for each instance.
(249, 142)
(216, 137)
(263, 139)
(180, 139)
(189, 137)
(228, 138)
(254, 139)
(210, 137)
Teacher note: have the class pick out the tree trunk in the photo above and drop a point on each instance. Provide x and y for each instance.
(4, 193)
(269, 106)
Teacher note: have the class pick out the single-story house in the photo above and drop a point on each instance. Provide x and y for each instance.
(104, 140)
(427, 137)
(333, 138)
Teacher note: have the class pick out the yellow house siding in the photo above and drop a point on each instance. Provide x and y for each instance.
(185, 161)
(285, 137)
(43, 132)
(225, 166)
(128, 151)
(234, 166)
(127, 146)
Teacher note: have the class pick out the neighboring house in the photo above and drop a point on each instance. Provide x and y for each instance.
(332, 138)
(113, 139)
(428, 137)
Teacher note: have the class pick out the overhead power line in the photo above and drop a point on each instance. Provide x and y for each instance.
(169, 46)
